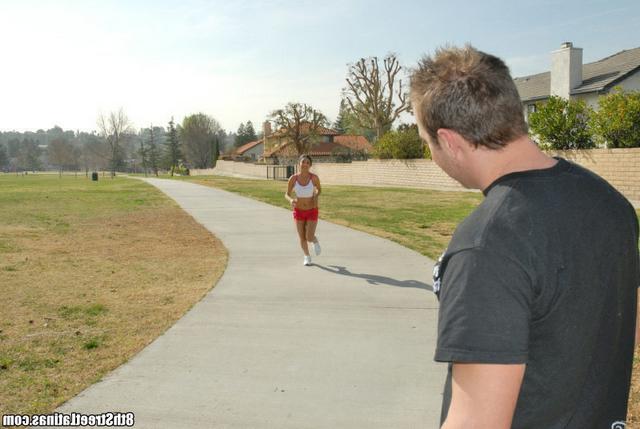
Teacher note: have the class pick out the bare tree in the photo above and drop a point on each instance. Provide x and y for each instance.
(198, 136)
(113, 129)
(372, 94)
(300, 124)
(94, 153)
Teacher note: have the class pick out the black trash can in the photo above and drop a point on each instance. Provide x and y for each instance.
(94, 176)
(291, 170)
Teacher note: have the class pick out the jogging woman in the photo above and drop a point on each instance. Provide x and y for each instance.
(306, 186)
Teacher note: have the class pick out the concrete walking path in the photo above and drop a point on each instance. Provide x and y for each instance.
(345, 343)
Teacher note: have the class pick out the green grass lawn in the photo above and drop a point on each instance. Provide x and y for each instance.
(420, 219)
(49, 201)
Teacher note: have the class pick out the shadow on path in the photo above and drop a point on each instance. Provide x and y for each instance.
(374, 279)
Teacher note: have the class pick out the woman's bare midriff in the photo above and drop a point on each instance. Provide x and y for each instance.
(306, 203)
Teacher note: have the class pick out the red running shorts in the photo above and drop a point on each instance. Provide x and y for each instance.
(306, 215)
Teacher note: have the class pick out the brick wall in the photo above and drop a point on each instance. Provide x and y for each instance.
(620, 167)
(415, 173)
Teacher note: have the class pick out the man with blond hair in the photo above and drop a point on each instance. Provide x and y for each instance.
(538, 287)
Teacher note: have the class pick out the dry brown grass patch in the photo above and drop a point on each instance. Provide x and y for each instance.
(79, 304)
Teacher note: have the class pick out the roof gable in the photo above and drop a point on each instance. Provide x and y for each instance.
(596, 76)
(245, 147)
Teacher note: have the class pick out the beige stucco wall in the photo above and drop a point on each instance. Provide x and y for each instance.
(255, 152)
(233, 169)
(632, 83)
(417, 173)
(620, 167)
(591, 99)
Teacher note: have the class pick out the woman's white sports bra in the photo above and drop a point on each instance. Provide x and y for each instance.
(305, 191)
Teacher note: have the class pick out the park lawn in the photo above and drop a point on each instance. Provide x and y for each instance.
(422, 220)
(91, 273)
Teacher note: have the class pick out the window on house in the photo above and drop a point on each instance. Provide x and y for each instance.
(531, 108)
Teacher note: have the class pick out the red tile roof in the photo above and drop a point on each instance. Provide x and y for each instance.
(354, 142)
(340, 143)
(245, 147)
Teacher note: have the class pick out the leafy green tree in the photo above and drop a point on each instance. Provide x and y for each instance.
(143, 151)
(173, 154)
(341, 124)
(153, 151)
(240, 135)
(60, 153)
(13, 147)
(250, 133)
(348, 123)
(405, 143)
(561, 124)
(4, 157)
(215, 149)
(246, 133)
(197, 134)
(617, 122)
(76, 157)
(29, 155)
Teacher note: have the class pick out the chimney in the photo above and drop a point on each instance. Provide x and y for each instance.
(566, 70)
(266, 128)
(266, 131)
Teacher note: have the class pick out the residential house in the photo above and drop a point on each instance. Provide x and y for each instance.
(252, 150)
(329, 145)
(571, 79)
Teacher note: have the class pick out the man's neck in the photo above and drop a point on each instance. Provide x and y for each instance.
(519, 155)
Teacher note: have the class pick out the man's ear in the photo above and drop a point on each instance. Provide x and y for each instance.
(451, 141)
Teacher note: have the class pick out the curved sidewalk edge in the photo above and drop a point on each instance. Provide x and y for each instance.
(345, 343)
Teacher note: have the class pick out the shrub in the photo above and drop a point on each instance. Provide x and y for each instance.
(562, 124)
(402, 144)
(617, 123)
(180, 170)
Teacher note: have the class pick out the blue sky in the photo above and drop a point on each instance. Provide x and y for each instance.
(65, 62)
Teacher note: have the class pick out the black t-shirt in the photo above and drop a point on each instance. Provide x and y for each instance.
(545, 272)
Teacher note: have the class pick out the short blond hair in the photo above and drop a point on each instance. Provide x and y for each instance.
(470, 92)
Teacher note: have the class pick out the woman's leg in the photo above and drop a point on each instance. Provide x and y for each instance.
(310, 232)
(301, 226)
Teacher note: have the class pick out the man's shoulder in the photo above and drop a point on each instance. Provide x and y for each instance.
(592, 194)
(525, 205)
(481, 224)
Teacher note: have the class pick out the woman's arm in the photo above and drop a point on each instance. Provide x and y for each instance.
(317, 187)
(287, 195)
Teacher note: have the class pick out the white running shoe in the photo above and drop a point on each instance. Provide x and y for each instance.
(307, 260)
(316, 247)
